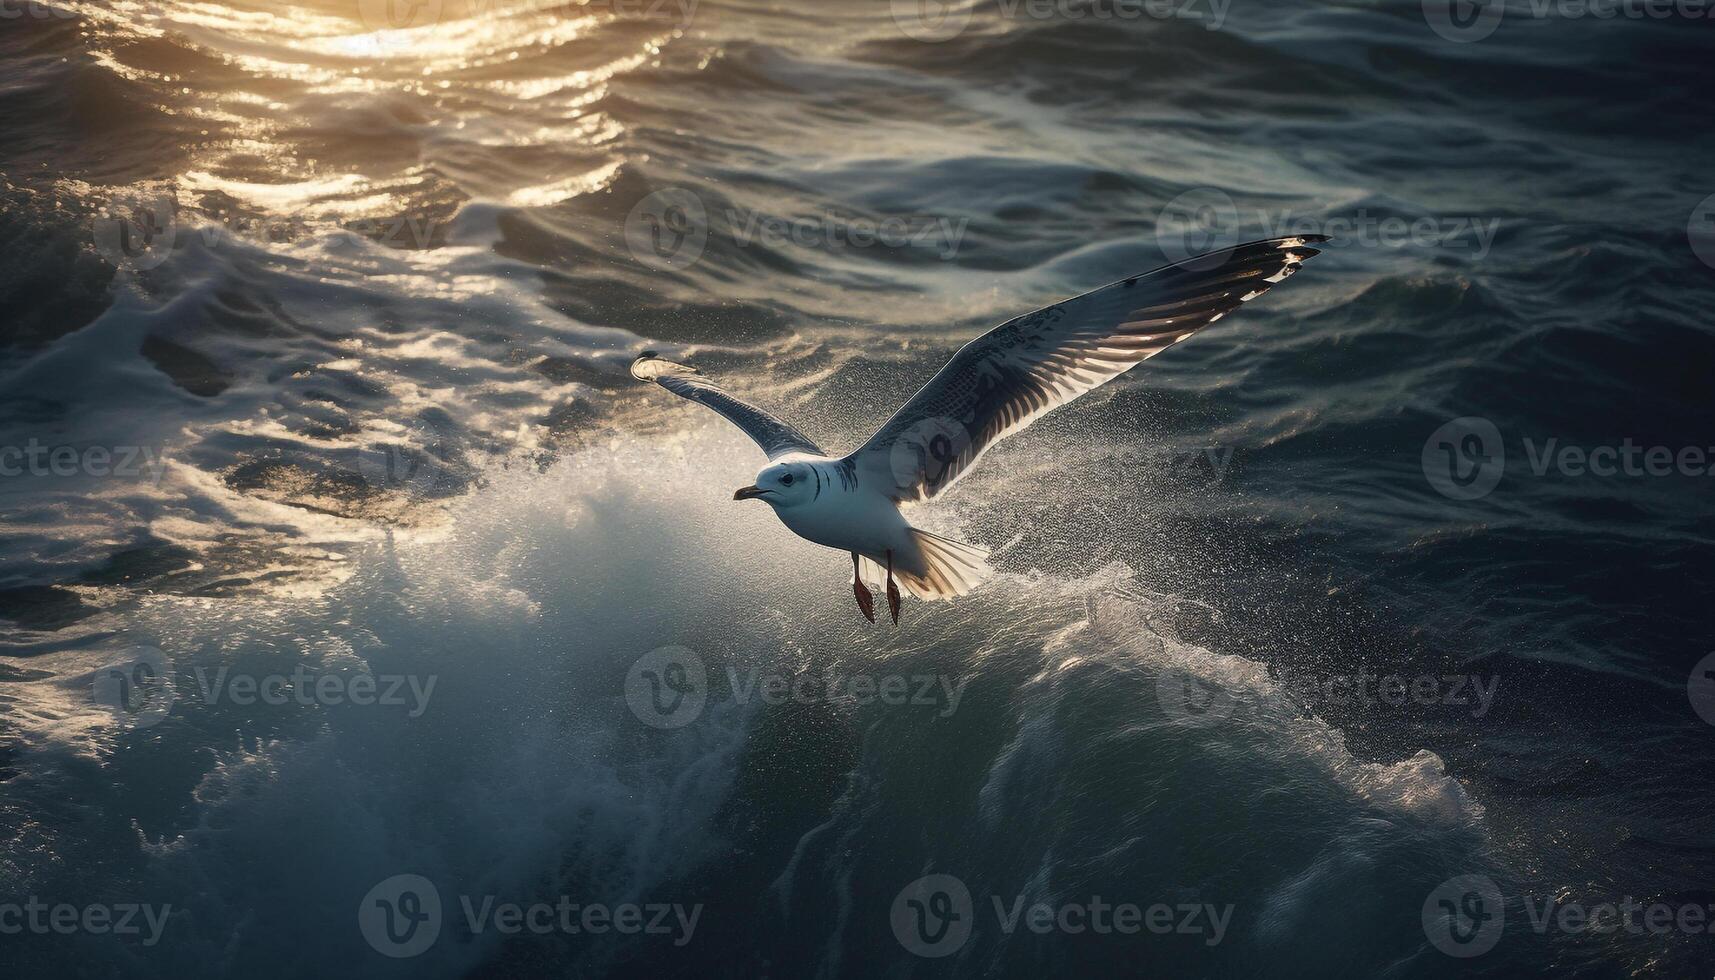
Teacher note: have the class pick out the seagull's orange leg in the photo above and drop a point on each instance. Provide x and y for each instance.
(866, 603)
(892, 590)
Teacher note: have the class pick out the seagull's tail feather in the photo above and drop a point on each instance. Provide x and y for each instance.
(952, 568)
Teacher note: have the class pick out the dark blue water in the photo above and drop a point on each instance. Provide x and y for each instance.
(1317, 643)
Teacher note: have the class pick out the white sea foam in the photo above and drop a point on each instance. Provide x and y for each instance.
(527, 775)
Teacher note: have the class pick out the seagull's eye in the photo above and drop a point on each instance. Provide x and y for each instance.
(786, 480)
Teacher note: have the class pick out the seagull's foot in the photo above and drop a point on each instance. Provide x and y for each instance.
(892, 590)
(866, 602)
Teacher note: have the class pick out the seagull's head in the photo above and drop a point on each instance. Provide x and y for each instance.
(782, 485)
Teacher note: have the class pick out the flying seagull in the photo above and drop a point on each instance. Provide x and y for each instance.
(994, 386)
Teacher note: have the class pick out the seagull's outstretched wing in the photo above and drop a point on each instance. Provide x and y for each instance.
(774, 436)
(1000, 382)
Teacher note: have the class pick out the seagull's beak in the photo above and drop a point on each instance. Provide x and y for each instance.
(747, 493)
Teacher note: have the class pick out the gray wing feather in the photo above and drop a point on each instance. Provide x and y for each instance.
(1022, 369)
(774, 436)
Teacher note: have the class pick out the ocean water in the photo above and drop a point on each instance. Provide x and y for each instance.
(315, 321)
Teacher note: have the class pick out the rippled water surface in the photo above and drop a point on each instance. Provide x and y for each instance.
(327, 309)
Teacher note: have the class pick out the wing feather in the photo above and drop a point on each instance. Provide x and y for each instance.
(776, 437)
(1028, 366)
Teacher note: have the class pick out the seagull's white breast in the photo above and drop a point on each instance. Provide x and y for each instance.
(849, 516)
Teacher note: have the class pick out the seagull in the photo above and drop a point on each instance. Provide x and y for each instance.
(994, 386)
